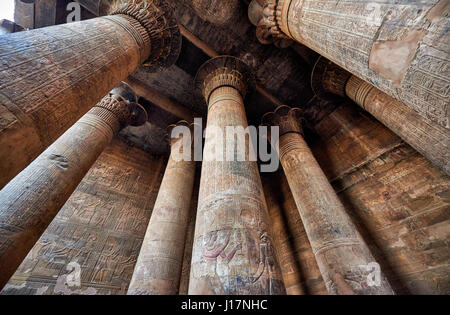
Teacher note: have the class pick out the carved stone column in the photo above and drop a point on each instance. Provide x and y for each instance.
(401, 47)
(341, 253)
(431, 140)
(233, 251)
(52, 76)
(158, 268)
(30, 201)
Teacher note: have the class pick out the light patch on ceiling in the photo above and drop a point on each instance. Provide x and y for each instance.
(7, 10)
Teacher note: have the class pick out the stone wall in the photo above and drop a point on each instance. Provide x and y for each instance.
(400, 46)
(101, 228)
(397, 198)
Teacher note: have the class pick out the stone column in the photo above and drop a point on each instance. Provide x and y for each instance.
(158, 268)
(233, 251)
(341, 253)
(431, 140)
(30, 201)
(401, 47)
(52, 76)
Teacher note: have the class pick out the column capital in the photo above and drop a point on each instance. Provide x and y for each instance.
(288, 119)
(119, 109)
(328, 79)
(272, 28)
(125, 94)
(223, 71)
(183, 123)
(162, 32)
(114, 112)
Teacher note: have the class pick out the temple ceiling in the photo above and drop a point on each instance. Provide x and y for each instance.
(282, 76)
(208, 29)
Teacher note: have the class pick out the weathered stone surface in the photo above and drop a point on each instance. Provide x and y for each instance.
(187, 256)
(340, 251)
(430, 139)
(280, 72)
(401, 47)
(397, 198)
(50, 77)
(233, 250)
(299, 269)
(158, 268)
(161, 26)
(32, 199)
(352, 138)
(100, 227)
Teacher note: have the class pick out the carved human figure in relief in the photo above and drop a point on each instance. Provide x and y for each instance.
(217, 246)
(267, 263)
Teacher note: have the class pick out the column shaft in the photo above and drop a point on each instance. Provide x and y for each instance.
(339, 249)
(30, 201)
(158, 268)
(52, 76)
(399, 46)
(428, 138)
(431, 140)
(233, 251)
(284, 237)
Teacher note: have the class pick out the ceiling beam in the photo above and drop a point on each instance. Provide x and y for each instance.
(212, 53)
(160, 100)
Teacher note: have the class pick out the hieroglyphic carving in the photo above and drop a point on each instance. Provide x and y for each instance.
(398, 199)
(161, 26)
(335, 241)
(27, 209)
(231, 252)
(43, 99)
(158, 268)
(52, 76)
(431, 140)
(100, 227)
(217, 246)
(398, 46)
(267, 264)
(299, 269)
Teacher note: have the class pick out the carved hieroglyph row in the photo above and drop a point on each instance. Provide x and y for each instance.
(401, 47)
(233, 251)
(340, 251)
(31, 200)
(52, 76)
(100, 228)
(158, 268)
(431, 140)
